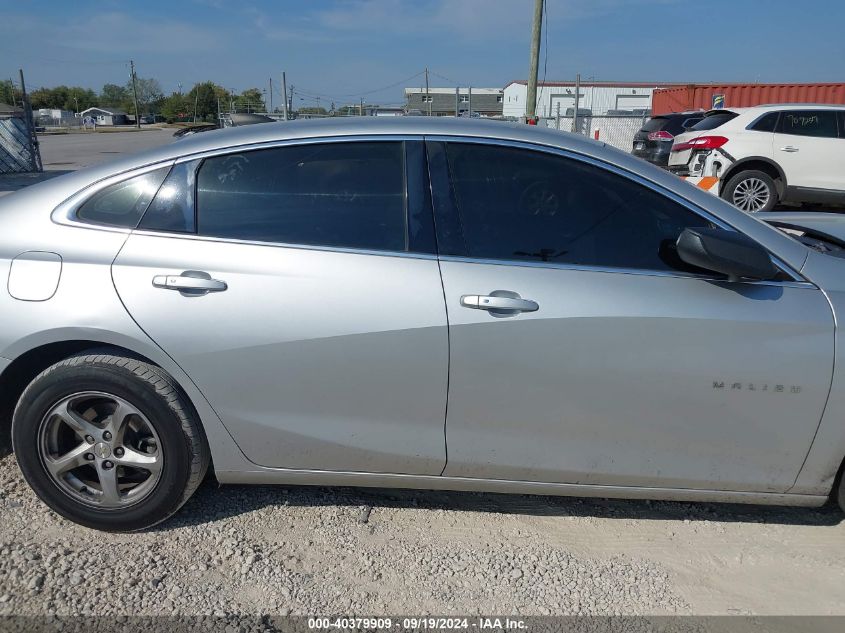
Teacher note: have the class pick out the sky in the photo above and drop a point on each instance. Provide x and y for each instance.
(343, 50)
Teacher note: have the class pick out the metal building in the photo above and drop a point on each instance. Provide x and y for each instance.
(596, 98)
(441, 101)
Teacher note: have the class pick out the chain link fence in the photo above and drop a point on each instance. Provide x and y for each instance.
(615, 130)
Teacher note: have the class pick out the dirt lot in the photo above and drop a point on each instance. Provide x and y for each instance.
(251, 550)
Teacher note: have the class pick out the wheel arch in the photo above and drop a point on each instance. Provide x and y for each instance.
(759, 163)
(28, 361)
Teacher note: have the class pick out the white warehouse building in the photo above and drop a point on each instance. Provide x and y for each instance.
(599, 97)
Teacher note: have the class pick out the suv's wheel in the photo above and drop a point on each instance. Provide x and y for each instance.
(751, 191)
(109, 442)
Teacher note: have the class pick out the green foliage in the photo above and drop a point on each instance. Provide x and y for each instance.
(149, 94)
(250, 100)
(203, 98)
(71, 98)
(115, 96)
(312, 110)
(176, 108)
(9, 94)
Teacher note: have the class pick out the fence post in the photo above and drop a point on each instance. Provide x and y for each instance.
(34, 151)
(557, 117)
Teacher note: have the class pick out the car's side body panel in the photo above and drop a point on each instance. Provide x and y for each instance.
(626, 378)
(312, 358)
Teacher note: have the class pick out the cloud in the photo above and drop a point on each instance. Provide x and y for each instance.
(465, 18)
(115, 35)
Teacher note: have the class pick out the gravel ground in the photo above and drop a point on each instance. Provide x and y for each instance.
(252, 550)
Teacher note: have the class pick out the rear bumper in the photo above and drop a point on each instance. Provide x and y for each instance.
(654, 152)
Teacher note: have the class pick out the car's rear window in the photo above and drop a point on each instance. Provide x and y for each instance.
(712, 121)
(654, 124)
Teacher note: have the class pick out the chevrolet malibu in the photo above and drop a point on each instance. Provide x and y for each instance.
(413, 303)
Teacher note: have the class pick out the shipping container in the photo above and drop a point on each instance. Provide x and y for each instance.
(708, 96)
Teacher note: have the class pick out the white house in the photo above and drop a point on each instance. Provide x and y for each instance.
(105, 116)
(599, 97)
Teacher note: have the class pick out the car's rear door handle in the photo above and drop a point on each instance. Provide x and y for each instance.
(789, 148)
(190, 282)
(494, 303)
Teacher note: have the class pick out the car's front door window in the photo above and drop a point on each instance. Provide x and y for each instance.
(523, 205)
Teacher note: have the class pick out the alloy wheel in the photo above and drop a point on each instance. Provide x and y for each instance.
(99, 449)
(751, 195)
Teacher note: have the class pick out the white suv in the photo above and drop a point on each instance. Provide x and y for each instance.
(767, 154)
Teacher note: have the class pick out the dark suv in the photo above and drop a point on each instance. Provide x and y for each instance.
(654, 141)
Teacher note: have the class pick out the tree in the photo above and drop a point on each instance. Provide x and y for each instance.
(250, 100)
(149, 93)
(176, 108)
(204, 98)
(9, 94)
(312, 110)
(79, 99)
(115, 96)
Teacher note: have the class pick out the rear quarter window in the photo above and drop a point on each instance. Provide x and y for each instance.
(122, 204)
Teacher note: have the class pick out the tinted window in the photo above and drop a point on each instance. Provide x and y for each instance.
(674, 124)
(820, 123)
(655, 124)
(336, 194)
(123, 203)
(518, 204)
(842, 124)
(172, 209)
(765, 123)
(713, 121)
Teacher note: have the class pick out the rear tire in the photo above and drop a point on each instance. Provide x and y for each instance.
(109, 442)
(751, 191)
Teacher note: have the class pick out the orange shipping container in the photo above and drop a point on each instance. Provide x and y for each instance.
(701, 96)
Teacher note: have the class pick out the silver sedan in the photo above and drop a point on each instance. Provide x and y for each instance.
(417, 303)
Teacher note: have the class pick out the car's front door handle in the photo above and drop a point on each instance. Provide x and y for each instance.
(789, 148)
(493, 302)
(193, 283)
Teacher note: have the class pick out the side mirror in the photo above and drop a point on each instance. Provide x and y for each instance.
(727, 252)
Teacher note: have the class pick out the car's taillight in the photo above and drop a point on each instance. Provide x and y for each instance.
(662, 135)
(702, 142)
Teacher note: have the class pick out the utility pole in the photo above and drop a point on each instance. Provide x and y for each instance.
(577, 103)
(536, 29)
(427, 97)
(196, 102)
(457, 101)
(271, 94)
(469, 101)
(34, 152)
(290, 105)
(135, 95)
(361, 107)
(285, 96)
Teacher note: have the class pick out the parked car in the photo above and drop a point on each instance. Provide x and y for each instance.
(768, 154)
(195, 129)
(654, 140)
(343, 301)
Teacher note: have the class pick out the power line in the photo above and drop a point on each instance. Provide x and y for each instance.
(365, 92)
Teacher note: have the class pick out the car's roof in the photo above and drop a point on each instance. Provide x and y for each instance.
(687, 113)
(363, 126)
(769, 107)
